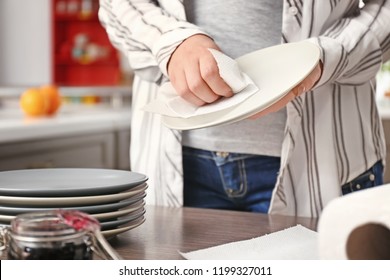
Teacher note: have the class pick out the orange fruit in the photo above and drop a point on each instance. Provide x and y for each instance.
(33, 102)
(53, 97)
(45, 100)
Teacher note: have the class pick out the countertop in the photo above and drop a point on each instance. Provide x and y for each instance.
(167, 231)
(71, 119)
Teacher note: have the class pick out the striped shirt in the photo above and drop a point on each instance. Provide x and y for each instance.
(333, 132)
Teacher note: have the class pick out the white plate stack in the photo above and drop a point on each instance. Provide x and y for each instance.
(114, 197)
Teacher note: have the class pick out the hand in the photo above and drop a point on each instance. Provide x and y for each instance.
(194, 72)
(306, 85)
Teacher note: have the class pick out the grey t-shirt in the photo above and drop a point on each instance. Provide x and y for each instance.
(239, 27)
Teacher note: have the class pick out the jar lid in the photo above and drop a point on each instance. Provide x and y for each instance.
(56, 224)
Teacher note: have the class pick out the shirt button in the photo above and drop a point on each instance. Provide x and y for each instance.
(293, 10)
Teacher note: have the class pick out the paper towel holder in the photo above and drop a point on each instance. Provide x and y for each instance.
(369, 241)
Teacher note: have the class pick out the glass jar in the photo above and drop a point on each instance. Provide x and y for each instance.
(43, 236)
(55, 235)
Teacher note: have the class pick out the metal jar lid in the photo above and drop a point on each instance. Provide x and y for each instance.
(43, 227)
(56, 226)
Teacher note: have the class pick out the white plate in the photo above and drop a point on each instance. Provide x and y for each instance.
(60, 202)
(112, 232)
(275, 70)
(122, 220)
(91, 209)
(67, 181)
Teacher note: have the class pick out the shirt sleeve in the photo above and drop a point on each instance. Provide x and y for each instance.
(145, 32)
(353, 48)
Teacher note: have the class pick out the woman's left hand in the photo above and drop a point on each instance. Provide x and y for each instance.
(306, 85)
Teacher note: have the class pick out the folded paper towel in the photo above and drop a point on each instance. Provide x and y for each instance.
(170, 104)
(295, 243)
(356, 226)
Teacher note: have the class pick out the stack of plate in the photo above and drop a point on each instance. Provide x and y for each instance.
(114, 197)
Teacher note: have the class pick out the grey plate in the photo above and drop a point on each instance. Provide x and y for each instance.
(68, 201)
(91, 209)
(52, 182)
(133, 224)
(122, 220)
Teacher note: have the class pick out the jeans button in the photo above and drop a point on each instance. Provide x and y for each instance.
(222, 154)
(358, 186)
(372, 177)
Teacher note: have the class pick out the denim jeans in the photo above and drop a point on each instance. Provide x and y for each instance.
(371, 178)
(228, 180)
(244, 182)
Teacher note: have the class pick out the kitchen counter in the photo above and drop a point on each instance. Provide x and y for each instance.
(77, 118)
(168, 231)
(72, 119)
(78, 136)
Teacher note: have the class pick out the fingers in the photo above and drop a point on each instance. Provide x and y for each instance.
(203, 84)
(210, 74)
(197, 85)
(309, 82)
(194, 72)
(275, 107)
(304, 86)
(179, 82)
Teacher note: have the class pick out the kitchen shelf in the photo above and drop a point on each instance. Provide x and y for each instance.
(82, 54)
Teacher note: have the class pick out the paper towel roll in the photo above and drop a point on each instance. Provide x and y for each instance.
(356, 226)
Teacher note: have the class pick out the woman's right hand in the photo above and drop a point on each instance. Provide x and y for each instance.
(194, 72)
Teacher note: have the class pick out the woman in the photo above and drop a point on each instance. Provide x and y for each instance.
(332, 136)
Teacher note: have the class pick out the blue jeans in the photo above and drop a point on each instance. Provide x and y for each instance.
(228, 180)
(244, 182)
(371, 178)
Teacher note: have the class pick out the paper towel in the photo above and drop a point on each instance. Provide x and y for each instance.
(294, 243)
(169, 103)
(356, 226)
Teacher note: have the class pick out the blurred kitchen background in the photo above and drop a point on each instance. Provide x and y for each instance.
(61, 42)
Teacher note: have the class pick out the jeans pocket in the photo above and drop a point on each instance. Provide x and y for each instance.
(233, 176)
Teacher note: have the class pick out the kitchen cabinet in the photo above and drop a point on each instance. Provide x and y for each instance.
(97, 150)
(82, 54)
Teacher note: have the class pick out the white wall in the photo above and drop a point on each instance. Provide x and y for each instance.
(25, 42)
